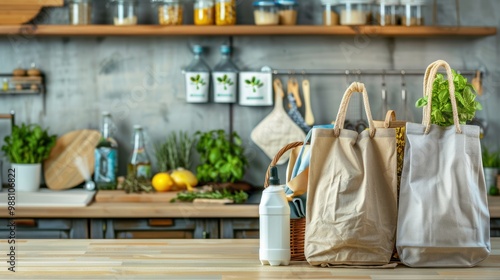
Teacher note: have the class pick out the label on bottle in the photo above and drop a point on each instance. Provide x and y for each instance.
(143, 170)
(197, 86)
(105, 165)
(225, 87)
(255, 89)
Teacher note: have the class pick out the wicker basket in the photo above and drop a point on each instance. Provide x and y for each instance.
(297, 226)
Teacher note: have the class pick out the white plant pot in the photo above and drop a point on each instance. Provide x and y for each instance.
(490, 176)
(27, 177)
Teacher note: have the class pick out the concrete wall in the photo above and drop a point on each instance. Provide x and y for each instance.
(139, 80)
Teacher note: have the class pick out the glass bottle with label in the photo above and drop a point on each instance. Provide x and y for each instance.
(197, 76)
(225, 78)
(106, 156)
(139, 163)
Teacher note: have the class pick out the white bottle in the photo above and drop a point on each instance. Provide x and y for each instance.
(274, 215)
(197, 76)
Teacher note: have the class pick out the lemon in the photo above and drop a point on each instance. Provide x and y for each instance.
(184, 179)
(162, 182)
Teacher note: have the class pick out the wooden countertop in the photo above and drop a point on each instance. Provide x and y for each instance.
(161, 210)
(196, 259)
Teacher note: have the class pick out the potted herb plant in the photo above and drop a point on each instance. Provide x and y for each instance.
(491, 165)
(222, 157)
(465, 94)
(26, 148)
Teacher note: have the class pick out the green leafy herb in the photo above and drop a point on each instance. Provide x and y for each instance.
(222, 157)
(175, 152)
(28, 144)
(441, 111)
(236, 197)
(490, 159)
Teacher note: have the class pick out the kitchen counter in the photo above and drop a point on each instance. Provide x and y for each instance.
(161, 210)
(195, 259)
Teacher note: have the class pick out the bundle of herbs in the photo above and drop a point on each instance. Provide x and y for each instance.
(441, 111)
(174, 152)
(28, 144)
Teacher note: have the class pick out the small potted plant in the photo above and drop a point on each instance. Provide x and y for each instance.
(26, 148)
(491, 164)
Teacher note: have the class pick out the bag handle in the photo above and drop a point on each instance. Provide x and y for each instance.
(277, 158)
(428, 93)
(426, 81)
(339, 121)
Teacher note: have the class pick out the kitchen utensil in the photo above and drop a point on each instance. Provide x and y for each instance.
(277, 129)
(60, 170)
(122, 196)
(80, 164)
(293, 88)
(296, 116)
(407, 115)
(309, 117)
(384, 96)
(18, 12)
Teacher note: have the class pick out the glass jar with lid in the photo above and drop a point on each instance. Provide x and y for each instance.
(170, 12)
(355, 12)
(204, 12)
(386, 12)
(80, 12)
(265, 12)
(124, 12)
(330, 15)
(225, 12)
(287, 11)
(413, 12)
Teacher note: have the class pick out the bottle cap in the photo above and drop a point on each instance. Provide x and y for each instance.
(274, 179)
(225, 49)
(197, 49)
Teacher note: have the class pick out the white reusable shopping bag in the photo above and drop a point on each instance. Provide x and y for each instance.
(443, 218)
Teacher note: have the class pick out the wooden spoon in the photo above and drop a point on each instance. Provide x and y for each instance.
(309, 117)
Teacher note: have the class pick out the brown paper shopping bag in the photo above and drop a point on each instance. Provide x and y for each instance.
(351, 207)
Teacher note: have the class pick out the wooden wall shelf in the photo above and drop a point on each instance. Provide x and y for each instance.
(189, 30)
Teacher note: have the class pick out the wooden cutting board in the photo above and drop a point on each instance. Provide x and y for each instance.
(60, 170)
(122, 196)
(23, 11)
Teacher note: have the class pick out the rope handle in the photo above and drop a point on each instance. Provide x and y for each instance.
(277, 158)
(430, 75)
(339, 121)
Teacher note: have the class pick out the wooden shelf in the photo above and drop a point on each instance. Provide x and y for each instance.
(189, 30)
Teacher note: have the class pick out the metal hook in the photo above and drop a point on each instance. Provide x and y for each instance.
(347, 77)
(358, 75)
(403, 73)
(304, 74)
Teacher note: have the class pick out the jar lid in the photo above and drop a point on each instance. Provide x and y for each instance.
(287, 2)
(197, 49)
(356, 1)
(264, 3)
(414, 2)
(225, 49)
(388, 2)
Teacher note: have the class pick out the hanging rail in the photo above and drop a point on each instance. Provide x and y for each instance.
(360, 72)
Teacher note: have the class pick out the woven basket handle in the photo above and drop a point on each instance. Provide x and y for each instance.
(277, 158)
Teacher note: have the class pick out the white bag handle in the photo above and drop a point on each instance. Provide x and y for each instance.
(430, 76)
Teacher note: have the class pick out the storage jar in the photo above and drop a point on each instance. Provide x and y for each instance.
(288, 10)
(225, 12)
(330, 15)
(265, 13)
(413, 12)
(386, 12)
(80, 12)
(124, 12)
(170, 12)
(204, 12)
(355, 12)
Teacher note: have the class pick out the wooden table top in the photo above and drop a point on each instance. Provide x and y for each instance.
(195, 259)
(162, 210)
